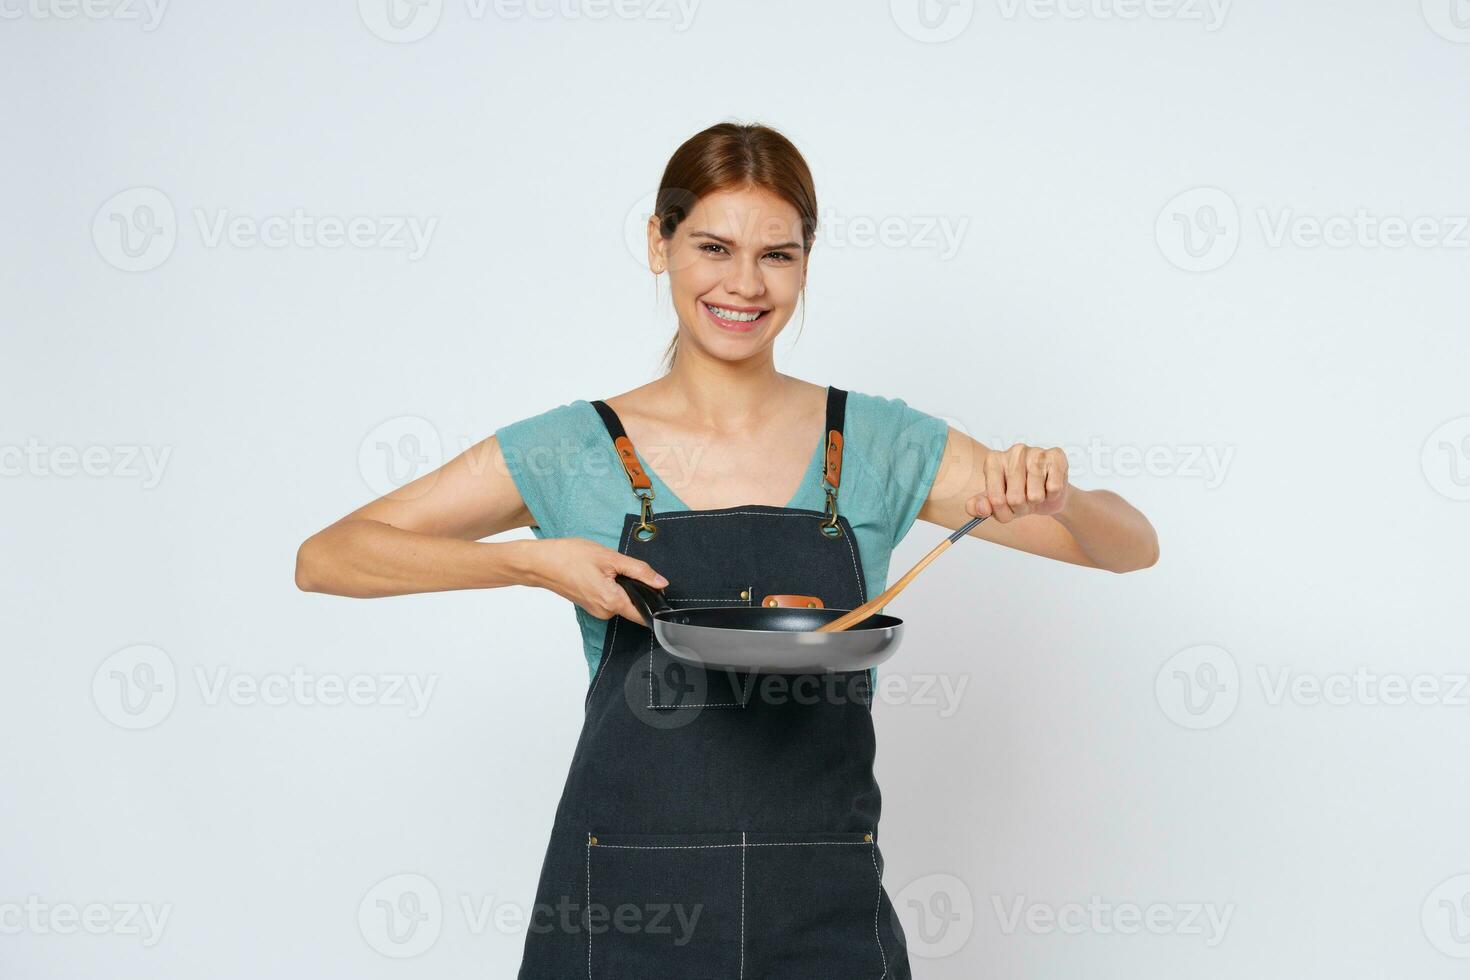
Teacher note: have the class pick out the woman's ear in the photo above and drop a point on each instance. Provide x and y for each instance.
(658, 256)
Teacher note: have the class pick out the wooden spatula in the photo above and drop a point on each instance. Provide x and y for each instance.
(878, 602)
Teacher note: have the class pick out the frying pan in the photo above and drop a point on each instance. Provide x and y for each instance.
(778, 639)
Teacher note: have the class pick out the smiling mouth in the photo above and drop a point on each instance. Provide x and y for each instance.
(734, 318)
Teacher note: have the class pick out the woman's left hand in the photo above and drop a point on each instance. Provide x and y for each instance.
(1019, 481)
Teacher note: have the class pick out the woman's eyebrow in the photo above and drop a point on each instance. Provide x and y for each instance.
(731, 244)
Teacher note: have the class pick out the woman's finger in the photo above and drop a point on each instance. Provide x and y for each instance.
(628, 609)
(1015, 460)
(1035, 476)
(641, 570)
(979, 504)
(1056, 472)
(995, 487)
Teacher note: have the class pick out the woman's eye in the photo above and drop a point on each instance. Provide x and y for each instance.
(714, 248)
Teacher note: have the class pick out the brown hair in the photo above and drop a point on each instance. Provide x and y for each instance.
(732, 156)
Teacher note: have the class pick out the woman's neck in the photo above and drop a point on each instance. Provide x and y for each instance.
(723, 395)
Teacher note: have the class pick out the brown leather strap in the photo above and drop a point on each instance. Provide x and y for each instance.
(623, 445)
(833, 472)
(836, 413)
(636, 476)
(796, 601)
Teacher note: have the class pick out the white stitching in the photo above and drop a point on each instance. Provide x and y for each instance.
(873, 853)
(706, 847)
(587, 910)
(666, 516)
(675, 707)
(742, 905)
(871, 842)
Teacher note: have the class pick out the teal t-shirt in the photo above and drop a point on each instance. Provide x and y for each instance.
(570, 479)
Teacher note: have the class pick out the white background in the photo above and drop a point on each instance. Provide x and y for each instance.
(1085, 303)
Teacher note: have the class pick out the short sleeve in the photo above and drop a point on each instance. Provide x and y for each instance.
(536, 451)
(905, 447)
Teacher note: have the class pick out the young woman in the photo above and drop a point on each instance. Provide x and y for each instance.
(707, 828)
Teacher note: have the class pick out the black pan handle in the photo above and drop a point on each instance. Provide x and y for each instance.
(648, 599)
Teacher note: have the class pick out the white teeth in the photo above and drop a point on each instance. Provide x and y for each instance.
(725, 314)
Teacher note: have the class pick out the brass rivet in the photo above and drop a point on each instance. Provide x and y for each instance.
(867, 839)
(811, 605)
(771, 602)
(593, 840)
(745, 593)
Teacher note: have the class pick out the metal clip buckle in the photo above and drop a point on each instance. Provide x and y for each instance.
(645, 522)
(829, 526)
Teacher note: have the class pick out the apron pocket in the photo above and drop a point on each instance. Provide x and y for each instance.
(710, 595)
(664, 905)
(673, 683)
(811, 907)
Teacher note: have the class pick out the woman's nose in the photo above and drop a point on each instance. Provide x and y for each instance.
(745, 279)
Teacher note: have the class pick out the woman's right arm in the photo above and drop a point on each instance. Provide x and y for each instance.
(425, 537)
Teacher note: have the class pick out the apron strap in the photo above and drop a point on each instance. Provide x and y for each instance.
(836, 415)
(637, 478)
(832, 471)
(643, 486)
(624, 446)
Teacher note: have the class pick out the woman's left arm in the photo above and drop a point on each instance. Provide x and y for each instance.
(1032, 506)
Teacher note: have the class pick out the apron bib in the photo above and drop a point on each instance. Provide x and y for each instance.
(721, 825)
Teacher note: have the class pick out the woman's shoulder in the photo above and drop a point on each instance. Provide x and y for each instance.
(549, 456)
(553, 445)
(575, 420)
(879, 423)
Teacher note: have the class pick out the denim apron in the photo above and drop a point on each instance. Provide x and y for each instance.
(720, 825)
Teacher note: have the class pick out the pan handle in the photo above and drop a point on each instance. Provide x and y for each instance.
(648, 599)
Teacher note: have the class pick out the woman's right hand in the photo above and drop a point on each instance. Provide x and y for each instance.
(586, 573)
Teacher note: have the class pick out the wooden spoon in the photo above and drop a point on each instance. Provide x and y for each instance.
(878, 602)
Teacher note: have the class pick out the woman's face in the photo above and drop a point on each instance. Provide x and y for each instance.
(736, 266)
